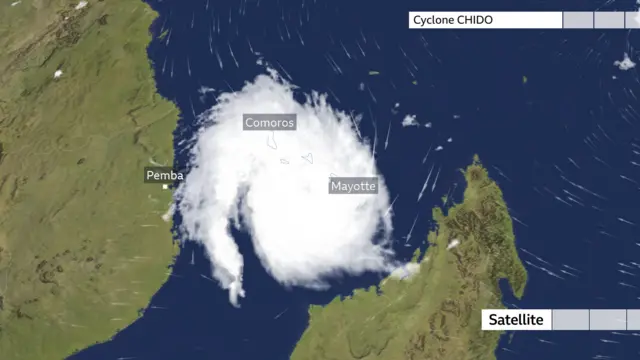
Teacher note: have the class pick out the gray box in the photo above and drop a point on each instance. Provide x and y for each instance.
(353, 185)
(577, 20)
(609, 20)
(632, 20)
(608, 319)
(633, 319)
(269, 122)
(162, 175)
(570, 319)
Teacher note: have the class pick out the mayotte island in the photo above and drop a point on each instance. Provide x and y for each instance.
(83, 246)
(435, 314)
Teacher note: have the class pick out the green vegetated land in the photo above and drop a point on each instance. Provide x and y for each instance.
(82, 243)
(436, 314)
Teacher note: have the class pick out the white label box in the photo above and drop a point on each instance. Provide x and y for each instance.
(485, 20)
(524, 20)
(516, 319)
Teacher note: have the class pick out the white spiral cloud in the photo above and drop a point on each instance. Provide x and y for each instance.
(277, 182)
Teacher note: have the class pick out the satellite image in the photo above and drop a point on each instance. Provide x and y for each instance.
(319, 180)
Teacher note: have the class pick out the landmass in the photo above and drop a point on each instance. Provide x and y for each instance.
(82, 243)
(434, 314)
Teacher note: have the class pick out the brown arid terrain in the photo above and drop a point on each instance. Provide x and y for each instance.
(83, 246)
(436, 313)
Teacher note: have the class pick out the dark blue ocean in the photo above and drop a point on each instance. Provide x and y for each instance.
(563, 146)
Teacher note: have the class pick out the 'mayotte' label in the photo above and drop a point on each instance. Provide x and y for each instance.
(516, 319)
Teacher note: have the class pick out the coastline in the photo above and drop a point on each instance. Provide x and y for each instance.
(435, 313)
(499, 118)
(80, 231)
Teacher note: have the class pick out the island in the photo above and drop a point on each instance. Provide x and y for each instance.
(434, 314)
(83, 246)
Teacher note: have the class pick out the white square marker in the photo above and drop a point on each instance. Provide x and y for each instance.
(165, 186)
